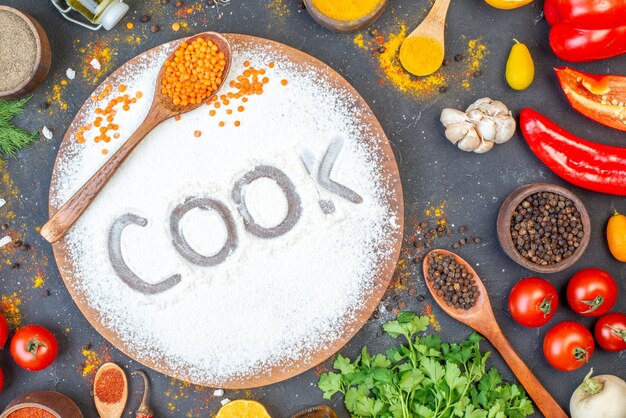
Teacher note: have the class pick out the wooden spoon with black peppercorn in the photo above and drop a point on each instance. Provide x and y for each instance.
(459, 291)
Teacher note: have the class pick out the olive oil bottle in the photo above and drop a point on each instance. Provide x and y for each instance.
(102, 12)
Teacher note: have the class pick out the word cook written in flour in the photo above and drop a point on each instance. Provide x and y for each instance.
(321, 174)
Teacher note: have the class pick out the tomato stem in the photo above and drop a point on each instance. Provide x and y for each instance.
(593, 304)
(33, 345)
(546, 306)
(619, 332)
(581, 354)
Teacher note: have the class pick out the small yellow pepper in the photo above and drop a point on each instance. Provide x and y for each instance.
(616, 236)
(508, 4)
(520, 68)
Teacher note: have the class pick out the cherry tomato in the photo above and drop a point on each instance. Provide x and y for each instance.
(610, 331)
(34, 347)
(4, 330)
(591, 292)
(533, 301)
(568, 346)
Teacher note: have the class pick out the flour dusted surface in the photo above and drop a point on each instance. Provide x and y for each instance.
(273, 302)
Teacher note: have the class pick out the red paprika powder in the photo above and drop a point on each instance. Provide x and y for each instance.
(110, 386)
(31, 412)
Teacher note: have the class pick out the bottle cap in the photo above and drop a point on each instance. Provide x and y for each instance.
(113, 14)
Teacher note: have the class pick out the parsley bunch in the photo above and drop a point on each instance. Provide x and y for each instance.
(425, 378)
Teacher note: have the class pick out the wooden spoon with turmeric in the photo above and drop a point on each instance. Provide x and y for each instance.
(423, 50)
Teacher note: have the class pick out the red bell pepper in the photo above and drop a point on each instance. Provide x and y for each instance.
(599, 97)
(577, 45)
(586, 14)
(597, 167)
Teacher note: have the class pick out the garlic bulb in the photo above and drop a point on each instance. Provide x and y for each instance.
(485, 122)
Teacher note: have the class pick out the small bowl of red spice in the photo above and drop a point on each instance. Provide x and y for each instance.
(42, 404)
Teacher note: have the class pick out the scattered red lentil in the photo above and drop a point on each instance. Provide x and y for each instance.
(283, 82)
(237, 123)
(130, 25)
(177, 117)
(197, 134)
(222, 123)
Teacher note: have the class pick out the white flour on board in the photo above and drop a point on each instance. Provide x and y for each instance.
(273, 301)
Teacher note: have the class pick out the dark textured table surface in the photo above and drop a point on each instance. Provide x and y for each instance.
(468, 188)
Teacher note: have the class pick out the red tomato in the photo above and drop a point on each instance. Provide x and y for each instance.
(4, 330)
(533, 301)
(610, 331)
(34, 347)
(568, 346)
(591, 292)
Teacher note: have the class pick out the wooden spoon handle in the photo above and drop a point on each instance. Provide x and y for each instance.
(66, 216)
(439, 11)
(544, 401)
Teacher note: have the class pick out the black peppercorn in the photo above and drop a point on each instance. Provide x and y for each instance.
(4, 227)
(374, 32)
(453, 282)
(381, 49)
(145, 19)
(443, 89)
(546, 228)
(155, 28)
(179, 3)
(458, 57)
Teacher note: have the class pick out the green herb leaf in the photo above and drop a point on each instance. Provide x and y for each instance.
(424, 377)
(12, 138)
(329, 383)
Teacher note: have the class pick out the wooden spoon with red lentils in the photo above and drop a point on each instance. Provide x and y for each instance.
(459, 291)
(192, 75)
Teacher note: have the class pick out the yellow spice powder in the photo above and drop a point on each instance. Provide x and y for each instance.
(420, 55)
(347, 10)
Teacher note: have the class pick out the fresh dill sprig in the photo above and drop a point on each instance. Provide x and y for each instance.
(12, 138)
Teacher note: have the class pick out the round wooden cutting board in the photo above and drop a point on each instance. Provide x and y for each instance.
(393, 197)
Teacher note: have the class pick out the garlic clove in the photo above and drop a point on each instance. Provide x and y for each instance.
(484, 147)
(475, 115)
(500, 107)
(451, 116)
(505, 128)
(470, 142)
(457, 131)
(478, 104)
(486, 129)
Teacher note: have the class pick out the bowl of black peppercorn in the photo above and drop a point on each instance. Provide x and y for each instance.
(543, 227)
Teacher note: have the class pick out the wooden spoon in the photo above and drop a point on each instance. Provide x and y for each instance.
(433, 28)
(162, 108)
(481, 318)
(110, 410)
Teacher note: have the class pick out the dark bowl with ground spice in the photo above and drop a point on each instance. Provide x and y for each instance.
(42, 404)
(25, 54)
(543, 227)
